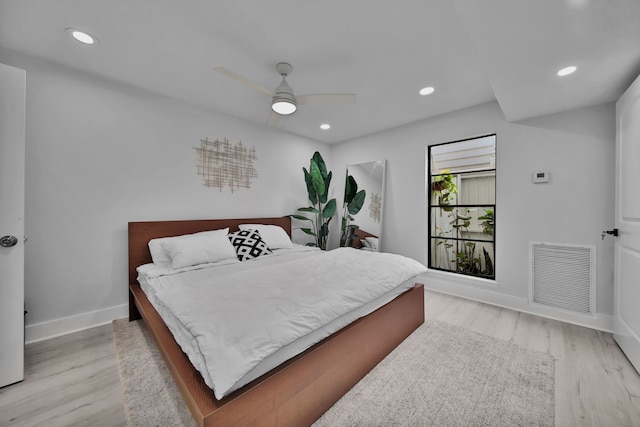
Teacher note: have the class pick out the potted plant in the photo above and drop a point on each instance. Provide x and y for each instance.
(318, 179)
(443, 187)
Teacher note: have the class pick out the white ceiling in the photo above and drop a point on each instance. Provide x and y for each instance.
(384, 51)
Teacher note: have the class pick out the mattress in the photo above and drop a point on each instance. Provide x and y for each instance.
(156, 282)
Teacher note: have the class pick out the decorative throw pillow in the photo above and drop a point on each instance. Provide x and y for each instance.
(248, 244)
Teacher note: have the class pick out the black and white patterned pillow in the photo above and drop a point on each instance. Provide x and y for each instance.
(248, 244)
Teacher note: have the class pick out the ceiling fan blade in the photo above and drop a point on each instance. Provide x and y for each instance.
(237, 77)
(326, 98)
(273, 119)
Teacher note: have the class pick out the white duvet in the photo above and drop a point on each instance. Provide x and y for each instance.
(241, 317)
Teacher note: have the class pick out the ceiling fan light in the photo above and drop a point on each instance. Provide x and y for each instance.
(283, 101)
(283, 107)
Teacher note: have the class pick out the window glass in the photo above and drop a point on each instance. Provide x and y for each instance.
(462, 206)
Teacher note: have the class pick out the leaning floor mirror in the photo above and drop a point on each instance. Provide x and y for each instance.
(361, 226)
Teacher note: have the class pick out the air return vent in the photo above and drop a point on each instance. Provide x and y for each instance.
(563, 276)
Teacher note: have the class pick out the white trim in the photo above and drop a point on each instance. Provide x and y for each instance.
(66, 325)
(462, 279)
(600, 321)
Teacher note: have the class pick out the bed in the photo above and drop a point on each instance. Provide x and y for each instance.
(298, 391)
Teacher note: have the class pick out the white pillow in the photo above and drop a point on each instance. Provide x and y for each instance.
(199, 248)
(158, 254)
(273, 235)
(373, 242)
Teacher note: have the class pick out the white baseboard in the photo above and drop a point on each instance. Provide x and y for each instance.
(79, 322)
(443, 284)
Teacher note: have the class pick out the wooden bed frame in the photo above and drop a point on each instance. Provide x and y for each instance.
(358, 235)
(299, 391)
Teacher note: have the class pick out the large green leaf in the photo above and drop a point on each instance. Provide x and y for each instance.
(329, 209)
(350, 189)
(313, 196)
(301, 218)
(308, 231)
(317, 158)
(488, 263)
(357, 202)
(324, 230)
(327, 181)
(317, 181)
(309, 209)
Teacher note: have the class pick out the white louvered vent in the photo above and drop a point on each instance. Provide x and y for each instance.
(563, 276)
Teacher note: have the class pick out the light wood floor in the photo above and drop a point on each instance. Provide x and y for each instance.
(73, 380)
(69, 381)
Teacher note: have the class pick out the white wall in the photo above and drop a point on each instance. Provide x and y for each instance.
(577, 147)
(101, 154)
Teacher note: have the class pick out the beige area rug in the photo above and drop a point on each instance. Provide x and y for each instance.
(442, 375)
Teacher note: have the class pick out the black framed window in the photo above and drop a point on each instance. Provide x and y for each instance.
(462, 206)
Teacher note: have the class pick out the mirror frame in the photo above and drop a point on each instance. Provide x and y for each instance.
(361, 233)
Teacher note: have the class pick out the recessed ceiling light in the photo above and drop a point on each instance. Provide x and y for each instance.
(325, 126)
(426, 90)
(567, 70)
(81, 36)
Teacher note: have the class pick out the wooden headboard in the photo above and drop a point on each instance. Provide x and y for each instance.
(358, 236)
(141, 232)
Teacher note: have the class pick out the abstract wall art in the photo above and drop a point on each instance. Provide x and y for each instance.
(375, 206)
(223, 164)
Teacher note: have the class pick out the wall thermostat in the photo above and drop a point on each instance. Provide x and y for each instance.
(540, 176)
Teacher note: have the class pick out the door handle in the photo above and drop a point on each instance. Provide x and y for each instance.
(613, 232)
(8, 241)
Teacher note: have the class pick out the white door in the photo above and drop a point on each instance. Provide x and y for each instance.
(626, 320)
(12, 155)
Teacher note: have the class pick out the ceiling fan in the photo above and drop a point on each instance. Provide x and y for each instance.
(283, 100)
